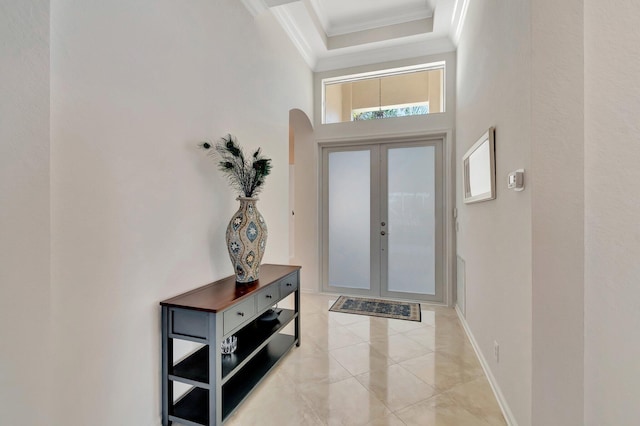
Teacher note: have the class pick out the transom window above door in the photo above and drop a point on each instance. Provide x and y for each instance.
(398, 92)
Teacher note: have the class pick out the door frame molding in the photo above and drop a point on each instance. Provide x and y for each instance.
(449, 182)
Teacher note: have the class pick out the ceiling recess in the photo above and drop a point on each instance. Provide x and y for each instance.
(332, 34)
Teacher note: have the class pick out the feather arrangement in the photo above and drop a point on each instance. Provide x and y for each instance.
(245, 175)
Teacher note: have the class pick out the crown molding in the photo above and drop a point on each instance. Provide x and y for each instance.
(296, 35)
(379, 39)
(315, 6)
(457, 19)
(380, 34)
(408, 16)
(385, 54)
(255, 7)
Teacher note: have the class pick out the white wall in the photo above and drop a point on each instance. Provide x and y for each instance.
(524, 252)
(305, 234)
(612, 151)
(557, 212)
(138, 214)
(24, 213)
(494, 237)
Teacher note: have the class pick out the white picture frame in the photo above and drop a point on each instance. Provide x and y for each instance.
(479, 169)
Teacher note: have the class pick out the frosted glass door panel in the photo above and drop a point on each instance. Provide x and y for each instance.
(411, 216)
(349, 219)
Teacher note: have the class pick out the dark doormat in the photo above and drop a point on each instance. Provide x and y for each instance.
(377, 308)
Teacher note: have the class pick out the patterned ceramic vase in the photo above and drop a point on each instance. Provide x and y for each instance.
(246, 240)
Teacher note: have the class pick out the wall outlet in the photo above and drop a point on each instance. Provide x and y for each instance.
(496, 351)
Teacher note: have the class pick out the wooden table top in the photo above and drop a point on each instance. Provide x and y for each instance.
(223, 293)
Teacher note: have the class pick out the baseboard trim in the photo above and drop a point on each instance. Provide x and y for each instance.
(502, 402)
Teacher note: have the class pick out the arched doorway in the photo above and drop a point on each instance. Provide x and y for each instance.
(303, 198)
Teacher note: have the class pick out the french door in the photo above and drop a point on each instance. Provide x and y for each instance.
(382, 220)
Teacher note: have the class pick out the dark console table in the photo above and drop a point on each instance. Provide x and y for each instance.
(209, 314)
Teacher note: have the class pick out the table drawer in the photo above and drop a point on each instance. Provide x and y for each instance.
(288, 285)
(188, 323)
(268, 297)
(239, 314)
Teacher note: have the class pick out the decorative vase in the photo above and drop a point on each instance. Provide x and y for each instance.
(246, 240)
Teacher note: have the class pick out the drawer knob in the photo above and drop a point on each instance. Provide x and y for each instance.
(241, 314)
(268, 296)
(289, 285)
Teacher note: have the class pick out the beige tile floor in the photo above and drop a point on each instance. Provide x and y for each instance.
(358, 370)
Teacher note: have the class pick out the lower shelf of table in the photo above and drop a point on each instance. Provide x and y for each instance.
(194, 406)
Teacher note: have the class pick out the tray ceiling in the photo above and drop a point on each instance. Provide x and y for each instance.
(333, 34)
